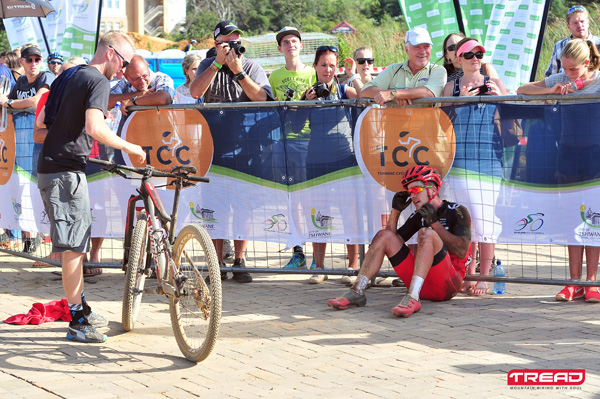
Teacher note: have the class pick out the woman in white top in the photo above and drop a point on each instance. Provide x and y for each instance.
(578, 145)
(190, 66)
(359, 68)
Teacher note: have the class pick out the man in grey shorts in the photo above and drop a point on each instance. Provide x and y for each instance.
(74, 115)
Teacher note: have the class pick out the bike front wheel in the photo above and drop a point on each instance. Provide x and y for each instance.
(135, 276)
(196, 311)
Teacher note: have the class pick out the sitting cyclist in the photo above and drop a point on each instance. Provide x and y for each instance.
(436, 271)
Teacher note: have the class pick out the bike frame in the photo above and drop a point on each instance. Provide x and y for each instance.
(161, 226)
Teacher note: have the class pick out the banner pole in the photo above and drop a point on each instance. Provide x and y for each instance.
(459, 17)
(44, 35)
(98, 25)
(538, 48)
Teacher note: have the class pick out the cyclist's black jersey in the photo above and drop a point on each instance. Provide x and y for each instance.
(454, 217)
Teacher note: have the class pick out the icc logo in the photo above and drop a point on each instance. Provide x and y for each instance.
(391, 140)
(171, 138)
(3, 149)
(411, 147)
(172, 148)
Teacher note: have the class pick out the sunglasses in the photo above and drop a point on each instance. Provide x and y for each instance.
(325, 48)
(470, 55)
(369, 61)
(55, 62)
(416, 189)
(34, 60)
(576, 9)
(125, 62)
(451, 47)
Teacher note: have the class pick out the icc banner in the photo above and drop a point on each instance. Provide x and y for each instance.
(522, 171)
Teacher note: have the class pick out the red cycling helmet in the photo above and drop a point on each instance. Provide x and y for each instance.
(422, 173)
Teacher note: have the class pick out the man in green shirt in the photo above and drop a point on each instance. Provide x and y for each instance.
(288, 84)
(415, 78)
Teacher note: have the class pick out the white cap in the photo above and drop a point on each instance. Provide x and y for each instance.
(417, 35)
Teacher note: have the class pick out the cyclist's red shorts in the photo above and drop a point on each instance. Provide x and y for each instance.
(443, 281)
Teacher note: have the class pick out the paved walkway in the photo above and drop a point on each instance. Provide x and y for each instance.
(279, 340)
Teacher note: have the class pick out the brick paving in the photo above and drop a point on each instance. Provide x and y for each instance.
(279, 340)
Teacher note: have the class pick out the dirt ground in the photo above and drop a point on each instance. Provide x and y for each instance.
(156, 44)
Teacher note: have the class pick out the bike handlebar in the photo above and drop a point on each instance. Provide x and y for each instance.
(155, 172)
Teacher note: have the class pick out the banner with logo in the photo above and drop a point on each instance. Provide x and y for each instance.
(508, 29)
(69, 30)
(512, 38)
(523, 171)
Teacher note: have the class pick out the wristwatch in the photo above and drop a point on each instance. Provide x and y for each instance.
(9, 103)
(394, 92)
(133, 100)
(240, 76)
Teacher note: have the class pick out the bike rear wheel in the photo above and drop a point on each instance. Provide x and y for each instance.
(135, 276)
(196, 313)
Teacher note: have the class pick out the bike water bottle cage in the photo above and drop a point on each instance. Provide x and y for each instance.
(149, 190)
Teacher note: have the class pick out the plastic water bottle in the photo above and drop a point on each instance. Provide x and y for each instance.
(114, 118)
(499, 288)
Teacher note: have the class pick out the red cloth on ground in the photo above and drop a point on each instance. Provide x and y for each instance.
(42, 313)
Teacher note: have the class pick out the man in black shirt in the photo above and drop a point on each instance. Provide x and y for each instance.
(437, 269)
(74, 115)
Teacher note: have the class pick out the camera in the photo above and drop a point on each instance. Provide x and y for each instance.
(321, 90)
(289, 94)
(482, 89)
(237, 47)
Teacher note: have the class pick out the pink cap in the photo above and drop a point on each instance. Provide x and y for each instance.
(469, 46)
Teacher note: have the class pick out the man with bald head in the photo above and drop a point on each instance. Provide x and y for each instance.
(74, 115)
(141, 86)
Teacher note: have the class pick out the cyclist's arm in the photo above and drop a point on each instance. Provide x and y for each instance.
(98, 129)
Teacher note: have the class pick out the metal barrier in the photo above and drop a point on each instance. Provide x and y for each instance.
(548, 265)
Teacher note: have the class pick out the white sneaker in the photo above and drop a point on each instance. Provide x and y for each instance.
(348, 279)
(317, 278)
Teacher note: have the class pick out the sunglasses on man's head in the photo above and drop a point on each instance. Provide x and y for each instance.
(470, 55)
(29, 60)
(325, 48)
(55, 62)
(451, 47)
(576, 9)
(416, 189)
(369, 61)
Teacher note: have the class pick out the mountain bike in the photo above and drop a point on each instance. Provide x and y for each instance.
(186, 266)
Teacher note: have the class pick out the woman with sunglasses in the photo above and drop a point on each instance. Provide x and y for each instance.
(578, 145)
(453, 67)
(469, 55)
(359, 67)
(330, 147)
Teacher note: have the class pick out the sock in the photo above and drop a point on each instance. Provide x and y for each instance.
(77, 315)
(415, 286)
(360, 284)
(87, 310)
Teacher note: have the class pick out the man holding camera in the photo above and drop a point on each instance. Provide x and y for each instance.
(415, 78)
(226, 78)
(230, 77)
(288, 84)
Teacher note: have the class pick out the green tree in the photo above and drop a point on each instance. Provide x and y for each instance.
(4, 45)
